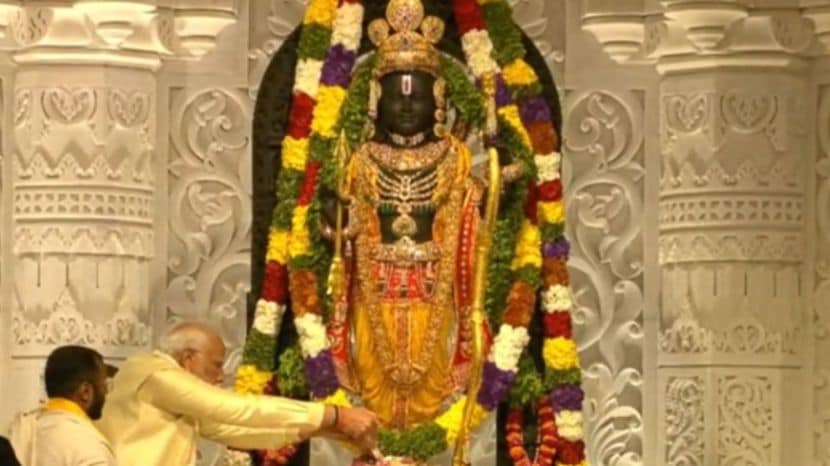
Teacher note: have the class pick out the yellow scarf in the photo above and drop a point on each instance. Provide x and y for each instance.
(69, 406)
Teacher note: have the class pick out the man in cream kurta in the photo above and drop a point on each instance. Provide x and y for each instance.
(61, 432)
(162, 402)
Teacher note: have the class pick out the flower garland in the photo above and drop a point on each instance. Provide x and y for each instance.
(493, 44)
(514, 435)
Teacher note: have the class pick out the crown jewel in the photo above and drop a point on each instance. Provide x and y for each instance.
(406, 49)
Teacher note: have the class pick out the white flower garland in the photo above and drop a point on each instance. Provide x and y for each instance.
(569, 425)
(307, 79)
(312, 334)
(508, 346)
(479, 50)
(268, 317)
(556, 298)
(347, 26)
(547, 166)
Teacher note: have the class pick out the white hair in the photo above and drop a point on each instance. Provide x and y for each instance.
(186, 336)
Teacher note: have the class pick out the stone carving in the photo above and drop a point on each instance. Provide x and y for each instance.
(604, 149)
(84, 205)
(685, 399)
(66, 325)
(274, 21)
(128, 109)
(744, 335)
(29, 25)
(821, 294)
(68, 106)
(210, 210)
(704, 120)
(745, 420)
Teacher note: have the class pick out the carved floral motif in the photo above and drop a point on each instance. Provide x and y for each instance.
(685, 404)
(210, 210)
(745, 420)
(604, 148)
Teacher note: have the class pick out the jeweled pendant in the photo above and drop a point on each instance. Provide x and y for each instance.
(404, 225)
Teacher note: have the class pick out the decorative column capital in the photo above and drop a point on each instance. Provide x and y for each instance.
(133, 33)
(685, 35)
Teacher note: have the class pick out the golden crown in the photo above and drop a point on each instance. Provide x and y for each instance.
(406, 49)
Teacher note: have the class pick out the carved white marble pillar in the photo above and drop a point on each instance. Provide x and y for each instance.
(732, 204)
(84, 259)
(736, 102)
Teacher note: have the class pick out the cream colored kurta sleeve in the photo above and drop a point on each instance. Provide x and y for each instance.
(181, 393)
(250, 438)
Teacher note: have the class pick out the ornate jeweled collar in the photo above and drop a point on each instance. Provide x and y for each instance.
(406, 159)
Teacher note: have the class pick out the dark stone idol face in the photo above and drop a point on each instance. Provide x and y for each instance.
(407, 104)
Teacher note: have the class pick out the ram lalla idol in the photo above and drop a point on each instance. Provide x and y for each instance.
(409, 277)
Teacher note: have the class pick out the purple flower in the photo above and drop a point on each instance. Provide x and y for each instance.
(495, 384)
(534, 110)
(558, 248)
(503, 96)
(320, 373)
(567, 397)
(337, 68)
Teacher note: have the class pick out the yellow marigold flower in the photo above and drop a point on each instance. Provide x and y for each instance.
(519, 73)
(329, 101)
(294, 153)
(321, 12)
(560, 353)
(582, 463)
(528, 247)
(300, 241)
(277, 246)
(451, 419)
(338, 398)
(250, 380)
(551, 212)
(511, 114)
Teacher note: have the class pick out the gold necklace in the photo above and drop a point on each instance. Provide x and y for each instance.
(409, 158)
(405, 194)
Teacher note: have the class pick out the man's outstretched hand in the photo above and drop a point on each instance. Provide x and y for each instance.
(357, 424)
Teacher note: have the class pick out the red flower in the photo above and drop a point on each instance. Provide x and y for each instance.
(557, 324)
(274, 285)
(531, 202)
(309, 183)
(571, 452)
(468, 15)
(514, 416)
(299, 120)
(550, 190)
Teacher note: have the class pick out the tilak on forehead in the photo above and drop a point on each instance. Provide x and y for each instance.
(406, 84)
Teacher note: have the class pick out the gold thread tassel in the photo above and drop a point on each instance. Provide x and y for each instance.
(337, 271)
(483, 246)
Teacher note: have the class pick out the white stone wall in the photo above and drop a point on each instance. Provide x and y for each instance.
(698, 145)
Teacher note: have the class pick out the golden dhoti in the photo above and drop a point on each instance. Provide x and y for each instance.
(406, 394)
